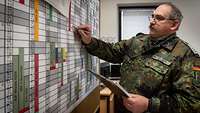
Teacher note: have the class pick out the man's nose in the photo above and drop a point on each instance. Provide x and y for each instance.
(152, 21)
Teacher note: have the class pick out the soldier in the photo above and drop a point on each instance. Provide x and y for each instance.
(151, 65)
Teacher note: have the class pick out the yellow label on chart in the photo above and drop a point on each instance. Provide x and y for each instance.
(36, 20)
(64, 53)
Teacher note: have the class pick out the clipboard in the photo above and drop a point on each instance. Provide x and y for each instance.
(114, 87)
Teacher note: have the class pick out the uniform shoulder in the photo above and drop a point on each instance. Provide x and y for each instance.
(141, 36)
(184, 46)
(191, 48)
(194, 61)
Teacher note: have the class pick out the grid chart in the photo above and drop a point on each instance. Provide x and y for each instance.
(43, 67)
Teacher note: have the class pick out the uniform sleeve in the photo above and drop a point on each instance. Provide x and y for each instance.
(184, 96)
(108, 51)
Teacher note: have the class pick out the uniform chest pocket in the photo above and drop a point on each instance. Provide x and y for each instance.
(160, 62)
(157, 66)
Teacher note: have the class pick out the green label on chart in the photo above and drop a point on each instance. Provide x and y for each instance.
(20, 91)
(15, 60)
(21, 79)
(52, 54)
(50, 12)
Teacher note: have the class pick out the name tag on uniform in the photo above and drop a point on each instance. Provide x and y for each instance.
(164, 57)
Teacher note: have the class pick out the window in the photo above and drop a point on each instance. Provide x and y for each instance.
(133, 20)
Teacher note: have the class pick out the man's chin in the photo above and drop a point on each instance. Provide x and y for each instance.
(153, 35)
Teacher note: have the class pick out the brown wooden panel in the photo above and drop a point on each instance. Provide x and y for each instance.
(90, 104)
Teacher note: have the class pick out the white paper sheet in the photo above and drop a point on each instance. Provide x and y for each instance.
(61, 5)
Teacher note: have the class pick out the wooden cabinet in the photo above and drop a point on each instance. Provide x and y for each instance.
(106, 101)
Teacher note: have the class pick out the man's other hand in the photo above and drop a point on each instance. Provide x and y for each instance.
(136, 103)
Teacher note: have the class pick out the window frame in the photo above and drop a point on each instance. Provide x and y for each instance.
(134, 6)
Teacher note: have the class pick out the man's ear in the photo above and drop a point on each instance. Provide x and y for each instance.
(175, 25)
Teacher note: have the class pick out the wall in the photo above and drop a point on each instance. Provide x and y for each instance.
(189, 29)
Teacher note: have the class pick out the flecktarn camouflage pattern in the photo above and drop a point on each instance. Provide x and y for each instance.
(189, 85)
(155, 70)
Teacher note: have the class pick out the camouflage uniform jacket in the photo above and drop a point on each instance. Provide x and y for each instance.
(152, 69)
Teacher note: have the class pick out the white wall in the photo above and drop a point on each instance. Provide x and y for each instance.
(188, 31)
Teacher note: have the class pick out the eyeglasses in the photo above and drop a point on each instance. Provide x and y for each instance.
(159, 17)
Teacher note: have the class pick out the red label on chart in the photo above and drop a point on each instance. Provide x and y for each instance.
(36, 83)
(21, 1)
(24, 110)
(69, 15)
(62, 80)
(53, 67)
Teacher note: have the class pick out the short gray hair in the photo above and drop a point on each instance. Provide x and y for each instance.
(175, 13)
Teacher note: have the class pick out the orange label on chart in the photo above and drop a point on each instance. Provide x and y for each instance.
(36, 20)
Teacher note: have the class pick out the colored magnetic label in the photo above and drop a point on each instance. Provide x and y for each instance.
(20, 91)
(69, 15)
(24, 110)
(15, 60)
(21, 1)
(50, 13)
(36, 83)
(64, 54)
(21, 79)
(57, 55)
(36, 20)
(52, 56)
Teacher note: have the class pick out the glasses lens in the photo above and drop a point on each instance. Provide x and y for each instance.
(157, 17)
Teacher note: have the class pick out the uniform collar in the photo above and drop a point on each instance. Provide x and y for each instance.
(169, 41)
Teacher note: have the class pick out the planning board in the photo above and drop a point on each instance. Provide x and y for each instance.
(43, 67)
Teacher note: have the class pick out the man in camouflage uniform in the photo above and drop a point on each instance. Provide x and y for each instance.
(151, 65)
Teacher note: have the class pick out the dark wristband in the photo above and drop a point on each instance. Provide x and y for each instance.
(154, 105)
